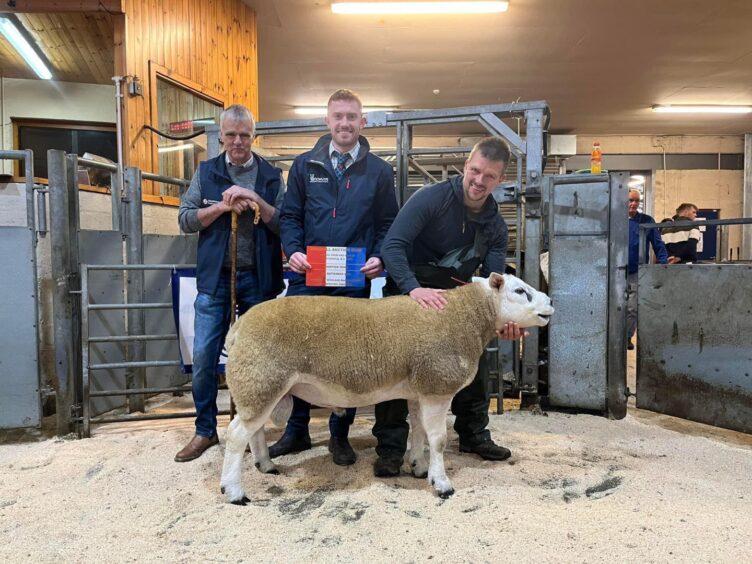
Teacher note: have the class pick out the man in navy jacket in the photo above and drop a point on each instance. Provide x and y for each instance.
(229, 182)
(654, 239)
(339, 194)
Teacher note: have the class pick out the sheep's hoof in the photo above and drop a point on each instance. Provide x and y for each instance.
(446, 494)
(268, 468)
(222, 489)
(242, 501)
(419, 469)
(419, 474)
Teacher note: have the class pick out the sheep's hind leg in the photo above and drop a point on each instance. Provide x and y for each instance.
(261, 453)
(237, 437)
(433, 412)
(417, 455)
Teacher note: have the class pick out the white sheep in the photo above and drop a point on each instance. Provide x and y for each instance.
(345, 352)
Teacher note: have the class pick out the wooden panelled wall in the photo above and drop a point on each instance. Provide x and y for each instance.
(209, 45)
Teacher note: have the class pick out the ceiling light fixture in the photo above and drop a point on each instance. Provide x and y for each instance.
(175, 148)
(321, 110)
(419, 7)
(702, 109)
(24, 48)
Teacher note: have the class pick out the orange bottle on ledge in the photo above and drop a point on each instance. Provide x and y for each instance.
(595, 159)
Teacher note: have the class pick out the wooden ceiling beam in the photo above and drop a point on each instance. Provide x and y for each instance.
(45, 6)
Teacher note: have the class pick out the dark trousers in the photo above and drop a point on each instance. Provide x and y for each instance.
(470, 406)
(297, 425)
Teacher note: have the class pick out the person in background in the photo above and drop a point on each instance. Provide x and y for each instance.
(233, 181)
(681, 242)
(339, 194)
(653, 238)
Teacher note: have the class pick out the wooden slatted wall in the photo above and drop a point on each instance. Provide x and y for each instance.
(209, 44)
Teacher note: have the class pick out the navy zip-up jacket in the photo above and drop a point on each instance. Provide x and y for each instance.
(213, 240)
(653, 237)
(354, 212)
(434, 222)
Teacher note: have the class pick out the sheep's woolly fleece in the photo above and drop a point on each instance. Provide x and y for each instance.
(578, 488)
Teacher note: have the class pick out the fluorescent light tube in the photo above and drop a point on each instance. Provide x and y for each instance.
(698, 109)
(419, 7)
(321, 110)
(19, 43)
(175, 148)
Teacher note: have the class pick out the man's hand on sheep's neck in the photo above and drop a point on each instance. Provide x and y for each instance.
(429, 298)
(511, 332)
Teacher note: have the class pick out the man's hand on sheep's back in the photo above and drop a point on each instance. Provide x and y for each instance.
(511, 332)
(299, 263)
(429, 298)
(372, 268)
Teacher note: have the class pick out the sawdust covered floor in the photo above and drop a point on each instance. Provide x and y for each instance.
(578, 488)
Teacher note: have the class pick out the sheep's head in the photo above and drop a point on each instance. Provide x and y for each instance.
(519, 302)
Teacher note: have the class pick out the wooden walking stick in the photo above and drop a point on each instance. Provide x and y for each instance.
(233, 282)
(234, 270)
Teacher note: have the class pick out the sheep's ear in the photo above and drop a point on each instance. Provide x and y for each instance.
(496, 281)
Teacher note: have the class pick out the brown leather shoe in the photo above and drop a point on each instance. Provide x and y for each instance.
(195, 448)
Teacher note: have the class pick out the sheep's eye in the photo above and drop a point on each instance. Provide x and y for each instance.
(523, 291)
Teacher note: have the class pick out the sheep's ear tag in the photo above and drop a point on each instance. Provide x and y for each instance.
(496, 281)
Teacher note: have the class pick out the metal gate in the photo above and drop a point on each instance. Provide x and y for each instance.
(587, 235)
(694, 341)
(20, 403)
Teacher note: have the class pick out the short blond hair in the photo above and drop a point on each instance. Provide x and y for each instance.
(343, 94)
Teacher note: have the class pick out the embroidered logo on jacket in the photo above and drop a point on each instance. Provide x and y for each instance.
(314, 178)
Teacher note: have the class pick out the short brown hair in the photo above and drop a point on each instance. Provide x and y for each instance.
(685, 207)
(345, 95)
(493, 149)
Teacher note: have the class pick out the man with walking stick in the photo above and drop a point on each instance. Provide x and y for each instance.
(235, 181)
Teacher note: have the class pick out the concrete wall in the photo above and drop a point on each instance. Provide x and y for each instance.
(714, 188)
(40, 99)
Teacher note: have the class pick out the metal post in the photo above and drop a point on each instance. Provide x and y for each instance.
(405, 143)
(74, 268)
(61, 302)
(115, 189)
(618, 253)
(746, 253)
(533, 180)
(119, 123)
(85, 381)
(135, 351)
(398, 164)
(213, 146)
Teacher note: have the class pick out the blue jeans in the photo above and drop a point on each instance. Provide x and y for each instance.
(210, 328)
(297, 425)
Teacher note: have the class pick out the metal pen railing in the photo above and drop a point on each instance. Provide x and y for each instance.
(87, 307)
(644, 227)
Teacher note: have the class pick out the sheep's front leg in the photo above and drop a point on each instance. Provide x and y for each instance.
(261, 453)
(417, 456)
(237, 438)
(433, 414)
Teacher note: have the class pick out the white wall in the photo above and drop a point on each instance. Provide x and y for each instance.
(41, 99)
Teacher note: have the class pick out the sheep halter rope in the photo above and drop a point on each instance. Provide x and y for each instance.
(234, 270)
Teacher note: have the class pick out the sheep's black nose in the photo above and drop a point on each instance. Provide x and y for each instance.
(550, 301)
